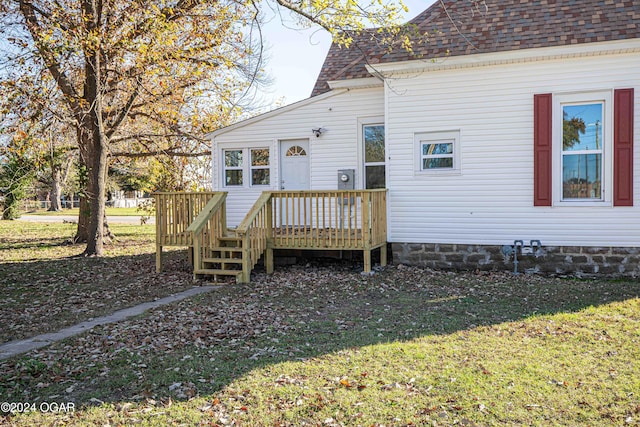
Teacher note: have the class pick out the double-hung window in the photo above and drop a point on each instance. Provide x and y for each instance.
(251, 162)
(582, 151)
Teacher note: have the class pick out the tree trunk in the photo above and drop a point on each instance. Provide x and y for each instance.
(92, 134)
(56, 191)
(96, 190)
(82, 233)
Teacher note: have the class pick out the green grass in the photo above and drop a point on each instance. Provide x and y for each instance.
(324, 345)
(75, 212)
(46, 285)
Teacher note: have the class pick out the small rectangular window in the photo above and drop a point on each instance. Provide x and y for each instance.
(437, 151)
(437, 154)
(260, 166)
(233, 167)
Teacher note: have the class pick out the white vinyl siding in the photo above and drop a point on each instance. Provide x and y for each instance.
(491, 200)
(337, 148)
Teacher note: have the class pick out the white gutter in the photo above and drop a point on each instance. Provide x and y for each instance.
(508, 57)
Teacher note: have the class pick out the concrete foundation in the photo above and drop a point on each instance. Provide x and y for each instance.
(563, 260)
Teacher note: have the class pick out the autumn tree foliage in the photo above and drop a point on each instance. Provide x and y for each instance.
(128, 75)
(147, 77)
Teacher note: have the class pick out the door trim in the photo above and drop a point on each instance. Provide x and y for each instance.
(281, 156)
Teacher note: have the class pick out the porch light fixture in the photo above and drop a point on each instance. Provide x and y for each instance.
(319, 131)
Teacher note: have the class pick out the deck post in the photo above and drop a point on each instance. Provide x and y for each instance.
(158, 258)
(366, 230)
(159, 233)
(367, 260)
(268, 253)
(383, 255)
(196, 255)
(245, 276)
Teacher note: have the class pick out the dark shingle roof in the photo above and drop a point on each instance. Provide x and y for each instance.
(466, 27)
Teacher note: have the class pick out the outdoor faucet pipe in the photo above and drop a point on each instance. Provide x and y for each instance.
(535, 245)
(516, 244)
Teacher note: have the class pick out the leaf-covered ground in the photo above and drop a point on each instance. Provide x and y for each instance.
(322, 344)
(46, 286)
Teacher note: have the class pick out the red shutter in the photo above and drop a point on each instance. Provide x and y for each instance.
(623, 147)
(542, 119)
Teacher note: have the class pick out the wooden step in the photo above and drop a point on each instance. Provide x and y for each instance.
(226, 240)
(216, 272)
(233, 249)
(223, 260)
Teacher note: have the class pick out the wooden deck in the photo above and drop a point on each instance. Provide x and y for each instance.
(306, 220)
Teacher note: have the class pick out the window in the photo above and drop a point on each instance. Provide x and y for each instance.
(582, 151)
(582, 144)
(232, 167)
(437, 151)
(251, 162)
(583, 148)
(296, 151)
(260, 166)
(374, 163)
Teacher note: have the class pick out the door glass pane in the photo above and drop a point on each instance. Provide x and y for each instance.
(295, 151)
(374, 177)
(374, 144)
(581, 176)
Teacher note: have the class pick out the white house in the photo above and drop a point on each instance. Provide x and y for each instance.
(513, 122)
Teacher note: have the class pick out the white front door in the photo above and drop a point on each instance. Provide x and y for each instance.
(294, 164)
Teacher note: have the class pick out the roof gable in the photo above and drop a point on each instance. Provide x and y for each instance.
(464, 27)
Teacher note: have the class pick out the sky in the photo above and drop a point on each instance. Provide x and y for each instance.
(295, 57)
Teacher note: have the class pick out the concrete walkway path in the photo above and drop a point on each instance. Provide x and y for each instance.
(14, 348)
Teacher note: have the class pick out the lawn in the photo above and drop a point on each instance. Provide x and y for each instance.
(321, 344)
(46, 285)
(75, 212)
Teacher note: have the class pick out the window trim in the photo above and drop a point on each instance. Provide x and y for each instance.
(576, 98)
(434, 137)
(365, 164)
(361, 169)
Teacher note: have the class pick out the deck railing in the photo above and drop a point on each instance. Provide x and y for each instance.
(174, 213)
(322, 220)
(255, 232)
(345, 219)
(329, 219)
(207, 229)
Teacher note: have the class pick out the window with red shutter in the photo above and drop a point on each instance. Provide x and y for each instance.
(583, 148)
